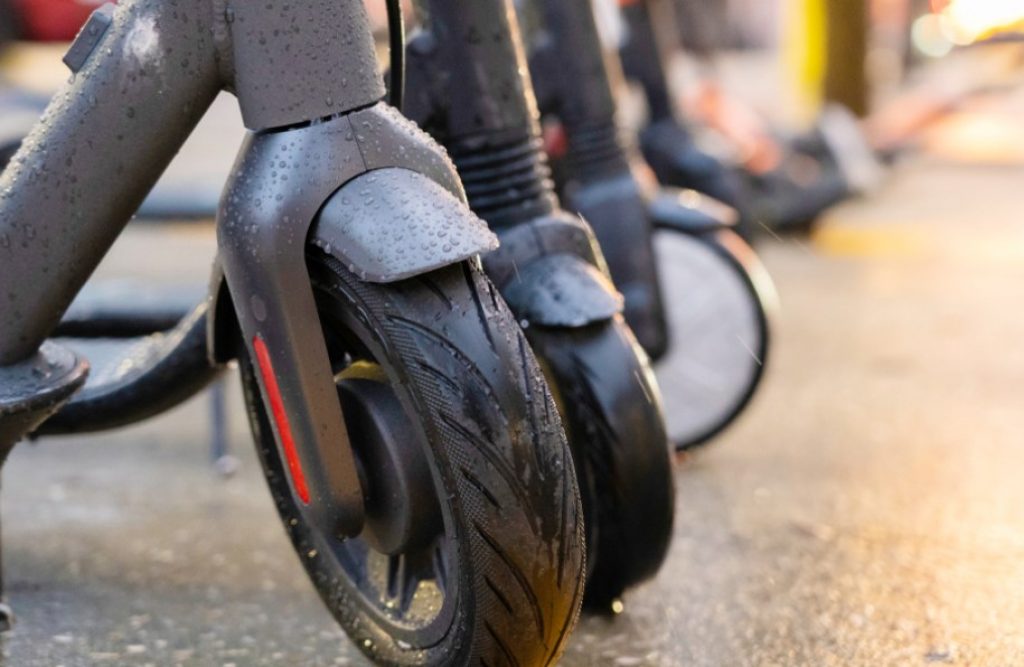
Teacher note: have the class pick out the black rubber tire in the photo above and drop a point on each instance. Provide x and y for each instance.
(611, 407)
(461, 367)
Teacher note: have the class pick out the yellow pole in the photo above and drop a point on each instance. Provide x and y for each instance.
(804, 53)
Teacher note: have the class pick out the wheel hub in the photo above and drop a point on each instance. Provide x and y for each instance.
(402, 512)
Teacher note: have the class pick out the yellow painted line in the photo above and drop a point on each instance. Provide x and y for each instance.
(944, 241)
(869, 241)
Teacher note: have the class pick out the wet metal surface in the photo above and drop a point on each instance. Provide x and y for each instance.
(868, 510)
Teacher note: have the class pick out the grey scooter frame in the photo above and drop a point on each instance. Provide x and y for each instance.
(309, 88)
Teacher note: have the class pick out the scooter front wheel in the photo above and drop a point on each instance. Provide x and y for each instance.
(472, 550)
(611, 406)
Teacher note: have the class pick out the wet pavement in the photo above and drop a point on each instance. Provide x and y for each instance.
(867, 510)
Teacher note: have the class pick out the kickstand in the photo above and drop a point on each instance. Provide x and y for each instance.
(224, 462)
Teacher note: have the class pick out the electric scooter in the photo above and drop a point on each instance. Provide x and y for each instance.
(810, 173)
(722, 343)
(409, 441)
(470, 88)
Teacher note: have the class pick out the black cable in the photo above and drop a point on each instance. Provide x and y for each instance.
(396, 38)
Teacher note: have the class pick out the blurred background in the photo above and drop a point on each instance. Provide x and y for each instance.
(866, 510)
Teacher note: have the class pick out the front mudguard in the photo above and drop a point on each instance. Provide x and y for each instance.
(689, 212)
(551, 272)
(390, 224)
(562, 291)
(377, 193)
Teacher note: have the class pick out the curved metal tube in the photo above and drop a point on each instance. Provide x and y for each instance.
(155, 375)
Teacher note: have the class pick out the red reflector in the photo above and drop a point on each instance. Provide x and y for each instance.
(284, 429)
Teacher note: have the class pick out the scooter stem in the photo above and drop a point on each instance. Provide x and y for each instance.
(491, 124)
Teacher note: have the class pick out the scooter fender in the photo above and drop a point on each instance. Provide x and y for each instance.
(552, 273)
(391, 224)
(377, 193)
(690, 212)
(562, 291)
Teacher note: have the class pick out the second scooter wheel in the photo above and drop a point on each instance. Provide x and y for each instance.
(611, 407)
(721, 336)
(472, 548)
